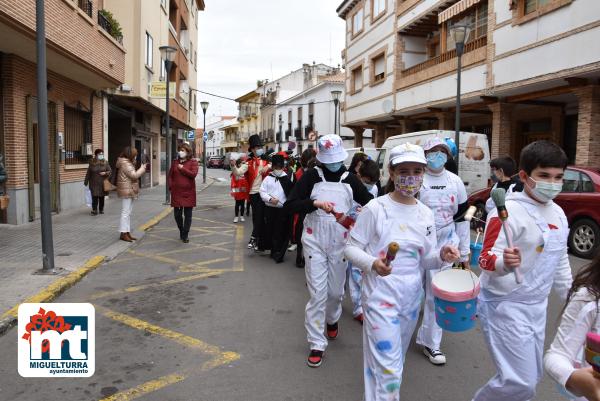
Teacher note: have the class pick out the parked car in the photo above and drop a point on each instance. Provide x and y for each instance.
(580, 199)
(215, 161)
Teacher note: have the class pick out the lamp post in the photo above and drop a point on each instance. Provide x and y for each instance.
(335, 94)
(460, 34)
(167, 54)
(280, 135)
(204, 106)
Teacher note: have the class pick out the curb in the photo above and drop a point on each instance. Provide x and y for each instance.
(48, 294)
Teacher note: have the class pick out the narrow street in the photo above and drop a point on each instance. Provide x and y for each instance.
(211, 321)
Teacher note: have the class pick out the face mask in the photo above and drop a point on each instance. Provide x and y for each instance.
(100, 157)
(436, 160)
(260, 152)
(369, 186)
(408, 185)
(494, 178)
(546, 191)
(333, 167)
(182, 154)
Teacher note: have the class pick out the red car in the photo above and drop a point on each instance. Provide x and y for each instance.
(580, 199)
(216, 161)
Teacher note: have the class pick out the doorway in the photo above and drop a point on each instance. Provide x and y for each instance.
(33, 153)
(143, 146)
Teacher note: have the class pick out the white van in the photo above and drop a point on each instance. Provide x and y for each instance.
(474, 162)
(373, 153)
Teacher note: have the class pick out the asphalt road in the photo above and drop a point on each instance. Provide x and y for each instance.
(211, 321)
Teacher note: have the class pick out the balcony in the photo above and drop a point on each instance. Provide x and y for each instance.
(86, 6)
(110, 25)
(298, 133)
(475, 52)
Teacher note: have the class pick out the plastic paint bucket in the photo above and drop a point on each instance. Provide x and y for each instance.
(455, 297)
(475, 253)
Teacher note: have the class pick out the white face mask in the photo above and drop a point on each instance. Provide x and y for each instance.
(100, 156)
(545, 191)
(182, 154)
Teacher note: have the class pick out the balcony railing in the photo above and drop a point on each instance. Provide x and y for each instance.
(449, 55)
(298, 133)
(108, 27)
(86, 6)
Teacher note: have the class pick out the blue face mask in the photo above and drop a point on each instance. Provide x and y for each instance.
(260, 152)
(333, 167)
(436, 160)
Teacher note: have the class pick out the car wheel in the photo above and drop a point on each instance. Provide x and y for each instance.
(583, 238)
(479, 217)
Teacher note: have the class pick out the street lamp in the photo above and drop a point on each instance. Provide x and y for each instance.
(460, 34)
(167, 54)
(335, 94)
(280, 135)
(204, 106)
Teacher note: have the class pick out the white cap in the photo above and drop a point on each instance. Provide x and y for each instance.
(331, 149)
(407, 152)
(436, 141)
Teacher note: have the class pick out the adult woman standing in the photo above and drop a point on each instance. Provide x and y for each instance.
(182, 185)
(98, 171)
(128, 188)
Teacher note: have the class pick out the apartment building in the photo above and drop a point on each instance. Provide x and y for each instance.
(83, 58)
(531, 70)
(248, 117)
(215, 127)
(134, 117)
(230, 140)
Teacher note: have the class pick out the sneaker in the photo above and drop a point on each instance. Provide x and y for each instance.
(94, 213)
(292, 247)
(235, 219)
(242, 219)
(315, 358)
(359, 318)
(435, 356)
(300, 263)
(251, 243)
(332, 331)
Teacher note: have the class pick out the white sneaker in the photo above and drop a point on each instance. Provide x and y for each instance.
(242, 219)
(435, 356)
(292, 247)
(235, 220)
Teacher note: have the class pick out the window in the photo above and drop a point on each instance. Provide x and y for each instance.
(357, 79)
(357, 21)
(571, 181)
(534, 5)
(378, 8)
(476, 18)
(587, 185)
(378, 68)
(78, 134)
(149, 50)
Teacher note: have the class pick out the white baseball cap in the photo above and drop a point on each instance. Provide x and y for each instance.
(407, 152)
(436, 141)
(331, 149)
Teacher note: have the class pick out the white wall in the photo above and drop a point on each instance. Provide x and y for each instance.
(414, 44)
(416, 11)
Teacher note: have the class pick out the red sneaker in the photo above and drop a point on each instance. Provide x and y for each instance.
(315, 358)
(332, 331)
(359, 318)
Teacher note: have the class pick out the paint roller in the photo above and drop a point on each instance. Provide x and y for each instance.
(499, 197)
(392, 250)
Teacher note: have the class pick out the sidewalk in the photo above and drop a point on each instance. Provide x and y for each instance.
(78, 237)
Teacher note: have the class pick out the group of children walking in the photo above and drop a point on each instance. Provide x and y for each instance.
(421, 215)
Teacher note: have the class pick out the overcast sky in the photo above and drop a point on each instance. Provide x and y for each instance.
(242, 41)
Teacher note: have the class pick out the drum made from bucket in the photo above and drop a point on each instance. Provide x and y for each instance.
(475, 253)
(455, 297)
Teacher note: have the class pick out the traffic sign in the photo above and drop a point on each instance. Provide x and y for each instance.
(191, 135)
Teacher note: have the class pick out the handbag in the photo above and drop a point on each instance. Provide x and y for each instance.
(107, 185)
(4, 201)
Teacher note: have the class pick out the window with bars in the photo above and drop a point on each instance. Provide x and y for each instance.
(78, 133)
(534, 5)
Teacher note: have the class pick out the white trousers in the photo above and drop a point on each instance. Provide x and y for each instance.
(390, 318)
(323, 245)
(430, 334)
(126, 208)
(514, 334)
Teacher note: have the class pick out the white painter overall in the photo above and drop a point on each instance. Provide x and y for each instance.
(514, 324)
(323, 240)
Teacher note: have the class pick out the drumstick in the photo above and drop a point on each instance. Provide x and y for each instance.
(499, 197)
(393, 248)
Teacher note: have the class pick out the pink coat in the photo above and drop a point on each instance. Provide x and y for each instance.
(182, 183)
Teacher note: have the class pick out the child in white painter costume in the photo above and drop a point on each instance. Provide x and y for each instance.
(392, 294)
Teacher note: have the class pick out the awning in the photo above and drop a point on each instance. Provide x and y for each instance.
(456, 9)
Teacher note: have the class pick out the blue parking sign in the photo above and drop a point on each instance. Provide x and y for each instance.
(190, 135)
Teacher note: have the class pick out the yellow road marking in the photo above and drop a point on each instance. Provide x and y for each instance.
(58, 286)
(201, 266)
(217, 246)
(145, 388)
(238, 260)
(157, 258)
(154, 221)
(216, 222)
(212, 208)
(136, 288)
